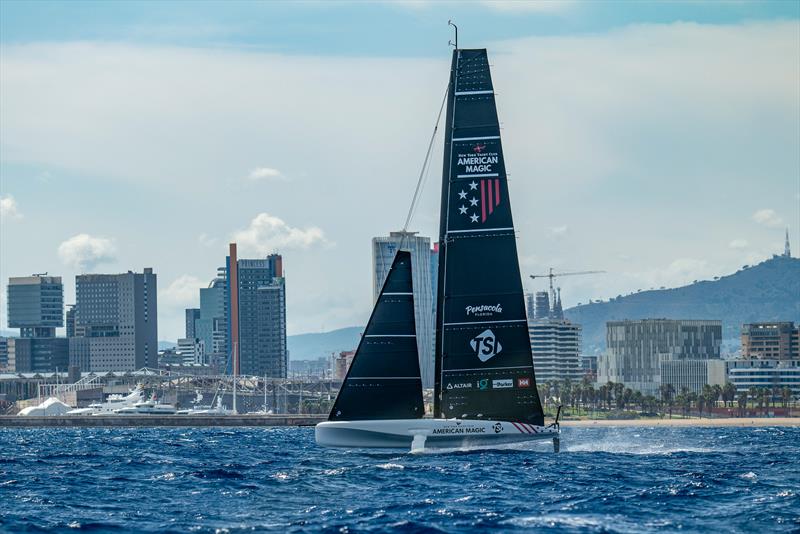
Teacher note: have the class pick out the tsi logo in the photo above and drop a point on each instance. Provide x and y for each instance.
(485, 345)
(503, 383)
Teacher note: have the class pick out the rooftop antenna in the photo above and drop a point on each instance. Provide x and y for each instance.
(451, 43)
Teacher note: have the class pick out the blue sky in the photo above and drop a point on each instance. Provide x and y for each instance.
(656, 141)
(353, 28)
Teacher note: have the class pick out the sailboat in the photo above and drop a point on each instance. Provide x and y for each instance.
(485, 389)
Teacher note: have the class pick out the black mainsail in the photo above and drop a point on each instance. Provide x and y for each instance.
(383, 381)
(484, 367)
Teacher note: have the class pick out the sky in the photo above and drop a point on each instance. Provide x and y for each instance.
(656, 141)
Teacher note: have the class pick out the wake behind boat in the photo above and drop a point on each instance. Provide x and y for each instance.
(485, 388)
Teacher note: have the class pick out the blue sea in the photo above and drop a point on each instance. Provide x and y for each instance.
(235, 480)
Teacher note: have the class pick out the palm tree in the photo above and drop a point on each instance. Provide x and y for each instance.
(786, 396)
(619, 391)
(667, 392)
(729, 392)
(753, 394)
(742, 402)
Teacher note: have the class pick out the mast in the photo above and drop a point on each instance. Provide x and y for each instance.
(484, 366)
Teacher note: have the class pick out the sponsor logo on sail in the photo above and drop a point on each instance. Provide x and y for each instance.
(483, 383)
(460, 385)
(523, 382)
(479, 148)
(485, 345)
(484, 310)
(503, 383)
(497, 428)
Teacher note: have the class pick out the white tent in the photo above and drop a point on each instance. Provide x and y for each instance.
(51, 406)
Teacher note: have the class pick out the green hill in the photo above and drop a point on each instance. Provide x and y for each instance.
(769, 291)
(312, 346)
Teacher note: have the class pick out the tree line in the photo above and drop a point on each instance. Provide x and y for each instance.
(577, 397)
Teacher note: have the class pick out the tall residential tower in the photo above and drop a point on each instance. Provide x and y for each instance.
(257, 318)
(424, 266)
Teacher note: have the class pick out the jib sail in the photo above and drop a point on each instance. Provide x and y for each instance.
(383, 381)
(484, 367)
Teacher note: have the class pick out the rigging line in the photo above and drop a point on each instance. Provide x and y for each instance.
(421, 179)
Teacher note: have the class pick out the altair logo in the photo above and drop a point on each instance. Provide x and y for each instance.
(485, 345)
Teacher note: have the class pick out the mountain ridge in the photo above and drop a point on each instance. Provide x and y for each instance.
(768, 291)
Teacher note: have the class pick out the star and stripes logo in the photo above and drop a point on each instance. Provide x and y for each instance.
(479, 199)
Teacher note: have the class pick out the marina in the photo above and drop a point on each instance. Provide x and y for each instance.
(142, 420)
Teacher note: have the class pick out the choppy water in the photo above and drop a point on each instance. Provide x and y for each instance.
(604, 480)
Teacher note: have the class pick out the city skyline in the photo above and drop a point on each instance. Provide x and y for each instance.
(618, 132)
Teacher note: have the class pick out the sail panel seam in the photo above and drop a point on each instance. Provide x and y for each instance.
(385, 378)
(487, 368)
(456, 139)
(488, 322)
(480, 230)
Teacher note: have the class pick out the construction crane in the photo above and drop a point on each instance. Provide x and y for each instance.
(552, 275)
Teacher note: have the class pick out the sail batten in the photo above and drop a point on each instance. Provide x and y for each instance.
(484, 366)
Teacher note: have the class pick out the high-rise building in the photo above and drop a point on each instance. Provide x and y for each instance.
(257, 318)
(212, 326)
(36, 305)
(38, 354)
(116, 322)
(636, 350)
(541, 307)
(3, 353)
(771, 341)
(556, 348)
(70, 320)
(192, 316)
(787, 251)
(424, 268)
(192, 351)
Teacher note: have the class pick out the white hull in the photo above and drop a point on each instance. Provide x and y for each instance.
(429, 433)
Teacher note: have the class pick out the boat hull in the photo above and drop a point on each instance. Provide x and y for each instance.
(428, 433)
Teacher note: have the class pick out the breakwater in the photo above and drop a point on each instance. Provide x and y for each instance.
(11, 421)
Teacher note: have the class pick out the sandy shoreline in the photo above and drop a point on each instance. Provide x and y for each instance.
(730, 421)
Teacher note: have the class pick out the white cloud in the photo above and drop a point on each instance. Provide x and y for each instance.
(558, 231)
(768, 217)
(265, 174)
(267, 233)
(183, 292)
(84, 252)
(738, 244)
(8, 208)
(207, 240)
(541, 6)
